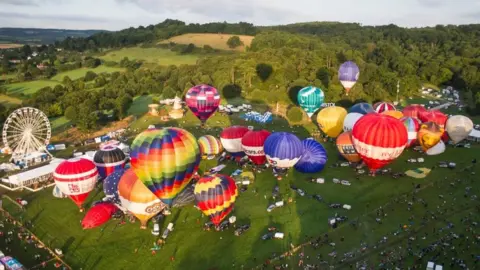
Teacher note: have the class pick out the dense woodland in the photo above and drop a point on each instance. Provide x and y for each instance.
(280, 61)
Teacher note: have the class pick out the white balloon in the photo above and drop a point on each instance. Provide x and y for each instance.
(350, 120)
(437, 149)
(458, 127)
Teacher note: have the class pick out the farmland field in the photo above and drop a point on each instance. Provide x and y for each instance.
(216, 41)
(78, 73)
(28, 88)
(151, 55)
(9, 45)
(9, 101)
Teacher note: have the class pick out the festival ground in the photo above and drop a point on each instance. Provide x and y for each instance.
(57, 222)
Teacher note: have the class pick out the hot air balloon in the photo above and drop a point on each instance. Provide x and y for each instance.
(434, 116)
(458, 127)
(76, 177)
(109, 159)
(314, 157)
(215, 196)
(346, 148)
(379, 139)
(231, 139)
(412, 125)
(98, 215)
(429, 135)
(348, 74)
(283, 149)
(394, 114)
(203, 101)
(362, 108)
(209, 145)
(380, 107)
(110, 185)
(165, 160)
(252, 145)
(57, 193)
(330, 120)
(137, 198)
(350, 120)
(413, 110)
(437, 149)
(310, 99)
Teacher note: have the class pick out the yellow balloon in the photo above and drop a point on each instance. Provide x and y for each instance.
(331, 119)
(396, 114)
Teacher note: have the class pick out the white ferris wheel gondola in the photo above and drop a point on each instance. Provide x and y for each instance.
(27, 130)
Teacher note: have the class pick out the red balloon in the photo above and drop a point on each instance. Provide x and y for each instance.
(203, 100)
(435, 116)
(413, 110)
(231, 138)
(379, 139)
(380, 107)
(98, 215)
(76, 177)
(252, 144)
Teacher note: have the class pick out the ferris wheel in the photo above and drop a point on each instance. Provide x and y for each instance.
(26, 130)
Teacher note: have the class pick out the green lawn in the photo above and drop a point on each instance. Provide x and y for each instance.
(78, 73)
(59, 124)
(151, 55)
(140, 105)
(28, 88)
(7, 76)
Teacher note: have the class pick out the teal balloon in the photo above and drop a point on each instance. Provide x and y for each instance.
(310, 99)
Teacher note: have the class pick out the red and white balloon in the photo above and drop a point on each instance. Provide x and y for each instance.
(231, 139)
(252, 144)
(380, 107)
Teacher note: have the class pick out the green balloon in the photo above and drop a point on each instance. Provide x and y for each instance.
(310, 99)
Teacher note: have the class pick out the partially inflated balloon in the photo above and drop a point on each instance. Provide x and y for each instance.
(413, 110)
(437, 149)
(310, 99)
(203, 100)
(434, 116)
(459, 127)
(110, 185)
(165, 160)
(209, 145)
(137, 198)
(283, 149)
(313, 159)
(346, 148)
(348, 74)
(350, 120)
(379, 139)
(98, 215)
(429, 135)
(215, 196)
(395, 114)
(363, 108)
(330, 120)
(412, 125)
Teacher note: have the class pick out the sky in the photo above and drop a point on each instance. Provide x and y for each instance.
(120, 14)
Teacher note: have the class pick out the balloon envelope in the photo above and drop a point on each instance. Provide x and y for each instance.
(413, 110)
(203, 100)
(458, 127)
(253, 144)
(314, 157)
(436, 149)
(330, 120)
(395, 114)
(108, 159)
(362, 108)
(346, 148)
(137, 198)
(110, 185)
(348, 74)
(350, 120)
(434, 116)
(283, 149)
(379, 139)
(231, 138)
(76, 177)
(429, 135)
(165, 160)
(380, 107)
(209, 145)
(215, 196)
(98, 215)
(310, 99)
(412, 125)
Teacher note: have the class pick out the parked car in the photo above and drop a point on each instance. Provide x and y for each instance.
(156, 229)
(346, 183)
(344, 164)
(301, 192)
(241, 230)
(275, 191)
(271, 207)
(317, 197)
(268, 236)
(293, 187)
(334, 205)
(336, 181)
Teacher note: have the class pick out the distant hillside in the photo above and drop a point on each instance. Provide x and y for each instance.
(40, 36)
(216, 41)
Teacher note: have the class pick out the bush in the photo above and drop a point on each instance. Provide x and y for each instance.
(234, 42)
(295, 114)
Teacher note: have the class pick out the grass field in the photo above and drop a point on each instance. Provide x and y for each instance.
(78, 73)
(59, 124)
(216, 41)
(151, 55)
(9, 101)
(128, 247)
(10, 45)
(28, 88)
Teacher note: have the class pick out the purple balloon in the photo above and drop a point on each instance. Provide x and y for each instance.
(349, 72)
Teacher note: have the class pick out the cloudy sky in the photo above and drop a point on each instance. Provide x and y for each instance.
(119, 14)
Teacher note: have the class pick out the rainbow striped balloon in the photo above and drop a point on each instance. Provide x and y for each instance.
(215, 196)
(165, 160)
(209, 145)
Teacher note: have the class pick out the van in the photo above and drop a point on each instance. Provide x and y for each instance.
(279, 235)
(156, 229)
(336, 181)
(346, 206)
(279, 204)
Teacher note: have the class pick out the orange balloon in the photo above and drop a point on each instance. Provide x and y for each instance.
(429, 135)
(346, 148)
(396, 114)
